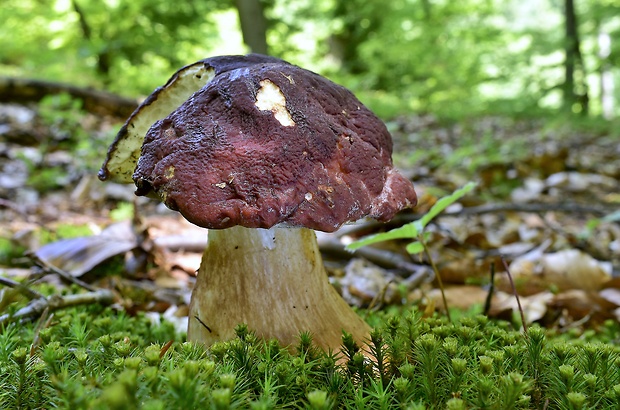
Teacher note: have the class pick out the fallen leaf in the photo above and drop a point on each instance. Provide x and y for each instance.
(458, 297)
(573, 269)
(535, 272)
(80, 255)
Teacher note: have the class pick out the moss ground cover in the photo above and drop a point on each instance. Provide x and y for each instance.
(96, 358)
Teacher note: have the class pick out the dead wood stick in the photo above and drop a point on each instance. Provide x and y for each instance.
(20, 287)
(22, 90)
(5, 203)
(532, 208)
(48, 268)
(36, 307)
(44, 322)
(329, 244)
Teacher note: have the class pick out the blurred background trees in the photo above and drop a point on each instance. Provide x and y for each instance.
(451, 58)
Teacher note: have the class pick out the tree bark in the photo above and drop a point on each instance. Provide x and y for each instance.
(575, 92)
(253, 25)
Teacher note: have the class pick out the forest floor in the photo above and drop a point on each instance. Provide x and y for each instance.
(545, 210)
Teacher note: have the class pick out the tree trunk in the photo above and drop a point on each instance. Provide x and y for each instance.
(103, 57)
(253, 25)
(575, 92)
(606, 75)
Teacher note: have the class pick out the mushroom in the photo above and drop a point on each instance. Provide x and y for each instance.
(261, 152)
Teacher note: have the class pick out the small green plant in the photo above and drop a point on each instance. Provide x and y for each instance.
(416, 230)
(9, 250)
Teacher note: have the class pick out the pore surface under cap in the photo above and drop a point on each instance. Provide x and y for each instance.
(269, 143)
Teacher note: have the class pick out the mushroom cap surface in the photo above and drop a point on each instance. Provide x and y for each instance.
(265, 142)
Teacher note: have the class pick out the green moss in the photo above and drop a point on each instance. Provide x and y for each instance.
(123, 211)
(95, 358)
(10, 250)
(66, 231)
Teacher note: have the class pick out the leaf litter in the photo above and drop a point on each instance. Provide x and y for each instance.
(547, 201)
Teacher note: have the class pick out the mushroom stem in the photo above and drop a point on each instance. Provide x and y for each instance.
(274, 281)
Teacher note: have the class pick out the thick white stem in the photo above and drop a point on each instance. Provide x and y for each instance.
(274, 281)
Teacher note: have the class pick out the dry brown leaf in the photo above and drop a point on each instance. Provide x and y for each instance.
(574, 269)
(459, 297)
(464, 266)
(365, 283)
(611, 295)
(568, 269)
(579, 305)
(534, 306)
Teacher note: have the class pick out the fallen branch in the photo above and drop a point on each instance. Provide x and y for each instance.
(20, 287)
(13, 206)
(24, 90)
(532, 208)
(36, 307)
(49, 268)
(331, 245)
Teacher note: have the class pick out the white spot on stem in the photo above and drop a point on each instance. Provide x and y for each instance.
(267, 237)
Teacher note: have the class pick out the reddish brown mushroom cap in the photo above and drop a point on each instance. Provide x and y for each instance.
(265, 142)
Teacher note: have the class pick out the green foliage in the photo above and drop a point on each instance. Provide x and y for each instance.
(90, 358)
(9, 250)
(110, 43)
(451, 58)
(123, 211)
(428, 43)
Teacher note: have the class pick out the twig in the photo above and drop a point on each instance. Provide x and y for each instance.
(537, 207)
(377, 301)
(330, 244)
(65, 275)
(23, 289)
(13, 207)
(531, 208)
(487, 302)
(37, 307)
(514, 290)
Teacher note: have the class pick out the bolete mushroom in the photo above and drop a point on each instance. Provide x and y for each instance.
(262, 153)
